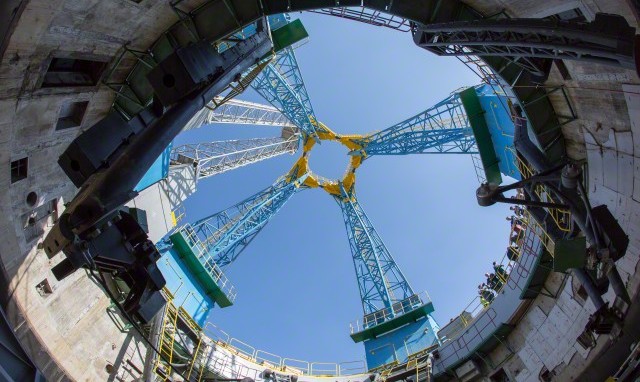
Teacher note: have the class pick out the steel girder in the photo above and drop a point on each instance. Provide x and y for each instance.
(227, 233)
(367, 16)
(607, 40)
(281, 84)
(214, 158)
(380, 281)
(443, 128)
(239, 113)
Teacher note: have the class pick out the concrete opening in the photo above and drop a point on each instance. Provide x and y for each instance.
(71, 115)
(32, 199)
(65, 72)
(19, 169)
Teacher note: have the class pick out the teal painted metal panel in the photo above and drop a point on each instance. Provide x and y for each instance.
(158, 170)
(476, 116)
(501, 128)
(184, 286)
(399, 344)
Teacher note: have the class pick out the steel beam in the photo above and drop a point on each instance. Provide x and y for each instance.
(214, 158)
(239, 113)
(380, 281)
(443, 128)
(227, 233)
(607, 40)
(281, 84)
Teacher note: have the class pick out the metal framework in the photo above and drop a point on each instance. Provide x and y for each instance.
(281, 84)
(443, 128)
(607, 40)
(214, 158)
(367, 16)
(380, 281)
(239, 113)
(227, 233)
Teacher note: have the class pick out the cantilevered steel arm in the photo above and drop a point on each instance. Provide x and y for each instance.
(228, 232)
(239, 113)
(213, 158)
(380, 281)
(281, 84)
(443, 128)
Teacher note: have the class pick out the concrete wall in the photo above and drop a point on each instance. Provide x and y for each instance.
(606, 136)
(76, 327)
(85, 336)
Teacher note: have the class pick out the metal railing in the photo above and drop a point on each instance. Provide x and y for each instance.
(209, 264)
(279, 363)
(367, 16)
(398, 308)
(561, 217)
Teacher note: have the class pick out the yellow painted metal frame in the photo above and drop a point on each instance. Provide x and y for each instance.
(561, 217)
(332, 187)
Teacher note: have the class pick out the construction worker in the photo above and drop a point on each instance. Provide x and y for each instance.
(500, 272)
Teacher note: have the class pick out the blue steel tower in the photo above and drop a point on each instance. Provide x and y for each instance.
(397, 322)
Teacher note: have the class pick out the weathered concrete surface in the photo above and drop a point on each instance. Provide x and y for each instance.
(71, 335)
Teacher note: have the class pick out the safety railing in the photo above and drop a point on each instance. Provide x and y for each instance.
(277, 362)
(209, 264)
(561, 217)
(521, 241)
(178, 214)
(367, 16)
(478, 168)
(398, 308)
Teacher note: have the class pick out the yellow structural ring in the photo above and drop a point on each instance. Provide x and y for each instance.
(333, 187)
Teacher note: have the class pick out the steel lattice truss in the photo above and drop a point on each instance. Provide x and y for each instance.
(443, 128)
(239, 113)
(608, 40)
(367, 16)
(228, 232)
(281, 84)
(380, 281)
(217, 157)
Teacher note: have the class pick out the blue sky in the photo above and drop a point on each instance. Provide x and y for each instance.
(296, 284)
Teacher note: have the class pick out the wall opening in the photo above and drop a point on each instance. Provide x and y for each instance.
(65, 72)
(19, 169)
(44, 288)
(32, 199)
(71, 115)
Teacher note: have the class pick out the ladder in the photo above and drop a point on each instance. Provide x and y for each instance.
(166, 341)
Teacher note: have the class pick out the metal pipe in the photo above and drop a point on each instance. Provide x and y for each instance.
(618, 286)
(590, 287)
(114, 186)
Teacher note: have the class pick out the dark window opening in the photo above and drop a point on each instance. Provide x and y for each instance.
(44, 288)
(574, 14)
(545, 375)
(71, 115)
(19, 169)
(499, 376)
(582, 293)
(73, 72)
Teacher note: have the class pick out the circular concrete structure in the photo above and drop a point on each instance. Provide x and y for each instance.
(68, 329)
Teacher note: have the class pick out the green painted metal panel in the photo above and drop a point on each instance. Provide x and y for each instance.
(186, 253)
(539, 273)
(288, 35)
(475, 113)
(569, 254)
(394, 323)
